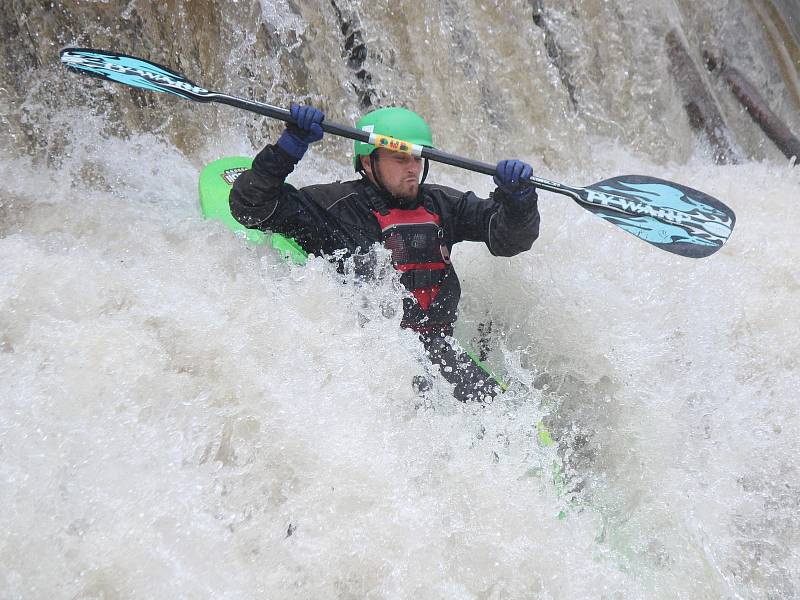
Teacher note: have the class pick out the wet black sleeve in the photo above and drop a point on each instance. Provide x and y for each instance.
(260, 199)
(506, 228)
(257, 193)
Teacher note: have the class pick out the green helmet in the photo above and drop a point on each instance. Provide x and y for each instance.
(399, 123)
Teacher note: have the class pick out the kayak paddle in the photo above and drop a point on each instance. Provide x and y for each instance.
(667, 215)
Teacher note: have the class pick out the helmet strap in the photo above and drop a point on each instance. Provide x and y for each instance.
(424, 172)
(373, 165)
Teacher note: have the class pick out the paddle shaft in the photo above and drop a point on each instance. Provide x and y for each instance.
(352, 133)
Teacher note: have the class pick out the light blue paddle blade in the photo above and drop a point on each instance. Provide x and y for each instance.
(673, 217)
(132, 71)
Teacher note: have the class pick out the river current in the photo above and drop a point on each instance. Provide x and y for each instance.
(185, 415)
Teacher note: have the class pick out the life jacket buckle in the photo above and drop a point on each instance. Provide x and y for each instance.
(421, 278)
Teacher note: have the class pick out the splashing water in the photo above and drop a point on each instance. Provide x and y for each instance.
(184, 415)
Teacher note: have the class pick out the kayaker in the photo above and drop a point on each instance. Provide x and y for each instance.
(390, 204)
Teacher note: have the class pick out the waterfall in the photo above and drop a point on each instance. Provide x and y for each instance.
(185, 415)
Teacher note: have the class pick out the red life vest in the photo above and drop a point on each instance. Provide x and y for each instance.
(416, 240)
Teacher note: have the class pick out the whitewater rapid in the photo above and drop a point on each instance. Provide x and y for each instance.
(185, 415)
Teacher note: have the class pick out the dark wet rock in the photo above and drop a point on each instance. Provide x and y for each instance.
(554, 52)
(756, 106)
(354, 50)
(704, 114)
(780, 21)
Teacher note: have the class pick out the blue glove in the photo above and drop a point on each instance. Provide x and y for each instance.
(295, 138)
(511, 176)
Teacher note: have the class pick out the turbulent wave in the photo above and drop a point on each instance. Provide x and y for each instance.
(184, 415)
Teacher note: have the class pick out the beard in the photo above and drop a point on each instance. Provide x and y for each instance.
(402, 192)
(405, 191)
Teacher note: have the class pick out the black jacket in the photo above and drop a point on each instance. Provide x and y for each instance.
(339, 216)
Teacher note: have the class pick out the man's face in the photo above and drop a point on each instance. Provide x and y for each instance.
(399, 172)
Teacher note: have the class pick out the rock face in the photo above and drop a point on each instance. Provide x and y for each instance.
(198, 38)
(535, 79)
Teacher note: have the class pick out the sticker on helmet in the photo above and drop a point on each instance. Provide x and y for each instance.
(395, 145)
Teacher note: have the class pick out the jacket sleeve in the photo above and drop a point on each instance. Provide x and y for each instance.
(505, 228)
(257, 193)
(260, 199)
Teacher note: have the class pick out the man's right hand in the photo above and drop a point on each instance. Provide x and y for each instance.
(512, 176)
(296, 137)
(514, 188)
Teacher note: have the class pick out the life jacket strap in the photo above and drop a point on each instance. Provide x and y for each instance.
(421, 278)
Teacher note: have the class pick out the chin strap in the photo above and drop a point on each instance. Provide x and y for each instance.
(424, 172)
(373, 164)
